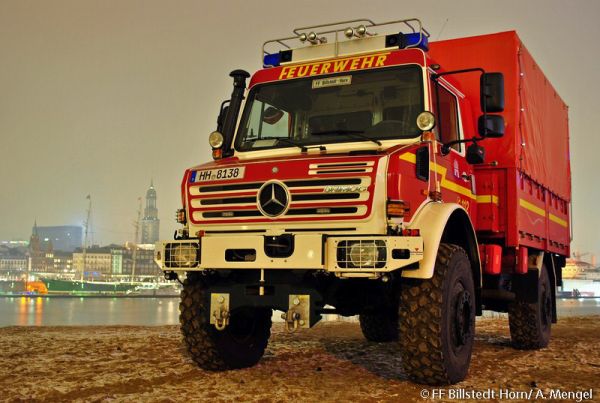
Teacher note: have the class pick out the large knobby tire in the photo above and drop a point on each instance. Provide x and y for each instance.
(240, 345)
(530, 323)
(380, 326)
(437, 320)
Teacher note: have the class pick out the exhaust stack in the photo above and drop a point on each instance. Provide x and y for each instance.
(237, 96)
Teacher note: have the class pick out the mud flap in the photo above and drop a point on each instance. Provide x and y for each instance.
(525, 286)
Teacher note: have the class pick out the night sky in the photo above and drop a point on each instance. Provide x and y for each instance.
(100, 97)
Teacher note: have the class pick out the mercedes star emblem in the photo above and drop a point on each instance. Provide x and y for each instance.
(273, 199)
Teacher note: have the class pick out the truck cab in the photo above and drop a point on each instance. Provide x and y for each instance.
(343, 181)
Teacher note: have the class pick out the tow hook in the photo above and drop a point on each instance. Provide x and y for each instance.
(219, 306)
(298, 314)
(292, 320)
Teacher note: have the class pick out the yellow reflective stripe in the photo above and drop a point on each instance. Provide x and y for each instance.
(542, 212)
(441, 170)
(558, 220)
(532, 207)
(453, 186)
(409, 157)
(487, 199)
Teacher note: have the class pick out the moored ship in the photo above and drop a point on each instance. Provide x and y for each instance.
(58, 286)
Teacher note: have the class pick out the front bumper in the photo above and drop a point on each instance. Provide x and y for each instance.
(309, 252)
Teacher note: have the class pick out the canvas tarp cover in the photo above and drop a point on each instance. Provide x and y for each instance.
(536, 139)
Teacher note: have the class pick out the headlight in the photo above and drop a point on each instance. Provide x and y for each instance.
(215, 139)
(368, 254)
(181, 255)
(363, 254)
(425, 121)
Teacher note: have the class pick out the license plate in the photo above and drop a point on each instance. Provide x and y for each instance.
(222, 174)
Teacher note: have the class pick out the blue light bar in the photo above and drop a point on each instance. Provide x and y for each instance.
(413, 39)
(272, 60)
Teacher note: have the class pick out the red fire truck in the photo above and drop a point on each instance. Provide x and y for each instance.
(366, 171)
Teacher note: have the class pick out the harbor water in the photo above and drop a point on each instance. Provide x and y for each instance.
(151, 311)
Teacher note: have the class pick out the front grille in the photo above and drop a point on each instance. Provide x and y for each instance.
(322, 210)
(326, 196)
(323, 182)
(230, 214)
(341, 167)
(226, 188)
(344, 196)
(231, 200)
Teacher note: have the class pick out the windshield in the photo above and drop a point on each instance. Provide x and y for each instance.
(368, 105)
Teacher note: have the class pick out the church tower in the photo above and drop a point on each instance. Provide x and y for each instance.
(150, 222)
(36, 252)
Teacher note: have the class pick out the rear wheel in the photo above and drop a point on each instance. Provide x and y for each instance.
(380, 325)
(240, 345)
(437, 320)
(530, 323)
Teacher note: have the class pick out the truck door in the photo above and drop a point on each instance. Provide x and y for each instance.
(451, 171)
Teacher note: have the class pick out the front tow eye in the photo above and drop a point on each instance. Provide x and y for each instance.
(298, 314)
(219, 307)
(292, 321)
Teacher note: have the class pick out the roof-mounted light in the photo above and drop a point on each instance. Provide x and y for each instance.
(275, 59)
(403, 41)
(359, 32)
(312, 37)
(364, 30)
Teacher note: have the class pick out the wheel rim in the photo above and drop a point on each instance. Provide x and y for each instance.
(463, 310)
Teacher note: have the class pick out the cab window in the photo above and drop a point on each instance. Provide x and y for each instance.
(445, 106)
(268, 121)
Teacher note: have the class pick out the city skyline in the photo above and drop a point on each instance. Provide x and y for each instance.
(149, 219)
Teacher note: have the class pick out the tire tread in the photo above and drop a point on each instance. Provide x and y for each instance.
(199, 335)
(421, 323)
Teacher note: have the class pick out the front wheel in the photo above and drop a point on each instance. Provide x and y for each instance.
(437, 320)
(241, 344)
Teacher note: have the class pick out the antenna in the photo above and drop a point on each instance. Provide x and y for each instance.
(136, 225)
(441, 30)
(85, 241)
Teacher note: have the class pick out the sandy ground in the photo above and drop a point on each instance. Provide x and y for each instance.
(331, 362)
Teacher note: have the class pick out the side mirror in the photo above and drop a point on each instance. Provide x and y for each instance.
(475, 154)
(490, 126)
(491, 88)
(272, 115)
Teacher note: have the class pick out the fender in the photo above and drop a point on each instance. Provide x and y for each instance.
(432, 221)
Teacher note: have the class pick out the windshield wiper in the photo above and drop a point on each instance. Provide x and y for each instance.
(357, 133)
(284, 139)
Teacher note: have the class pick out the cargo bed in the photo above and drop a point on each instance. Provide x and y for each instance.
(527, 174)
